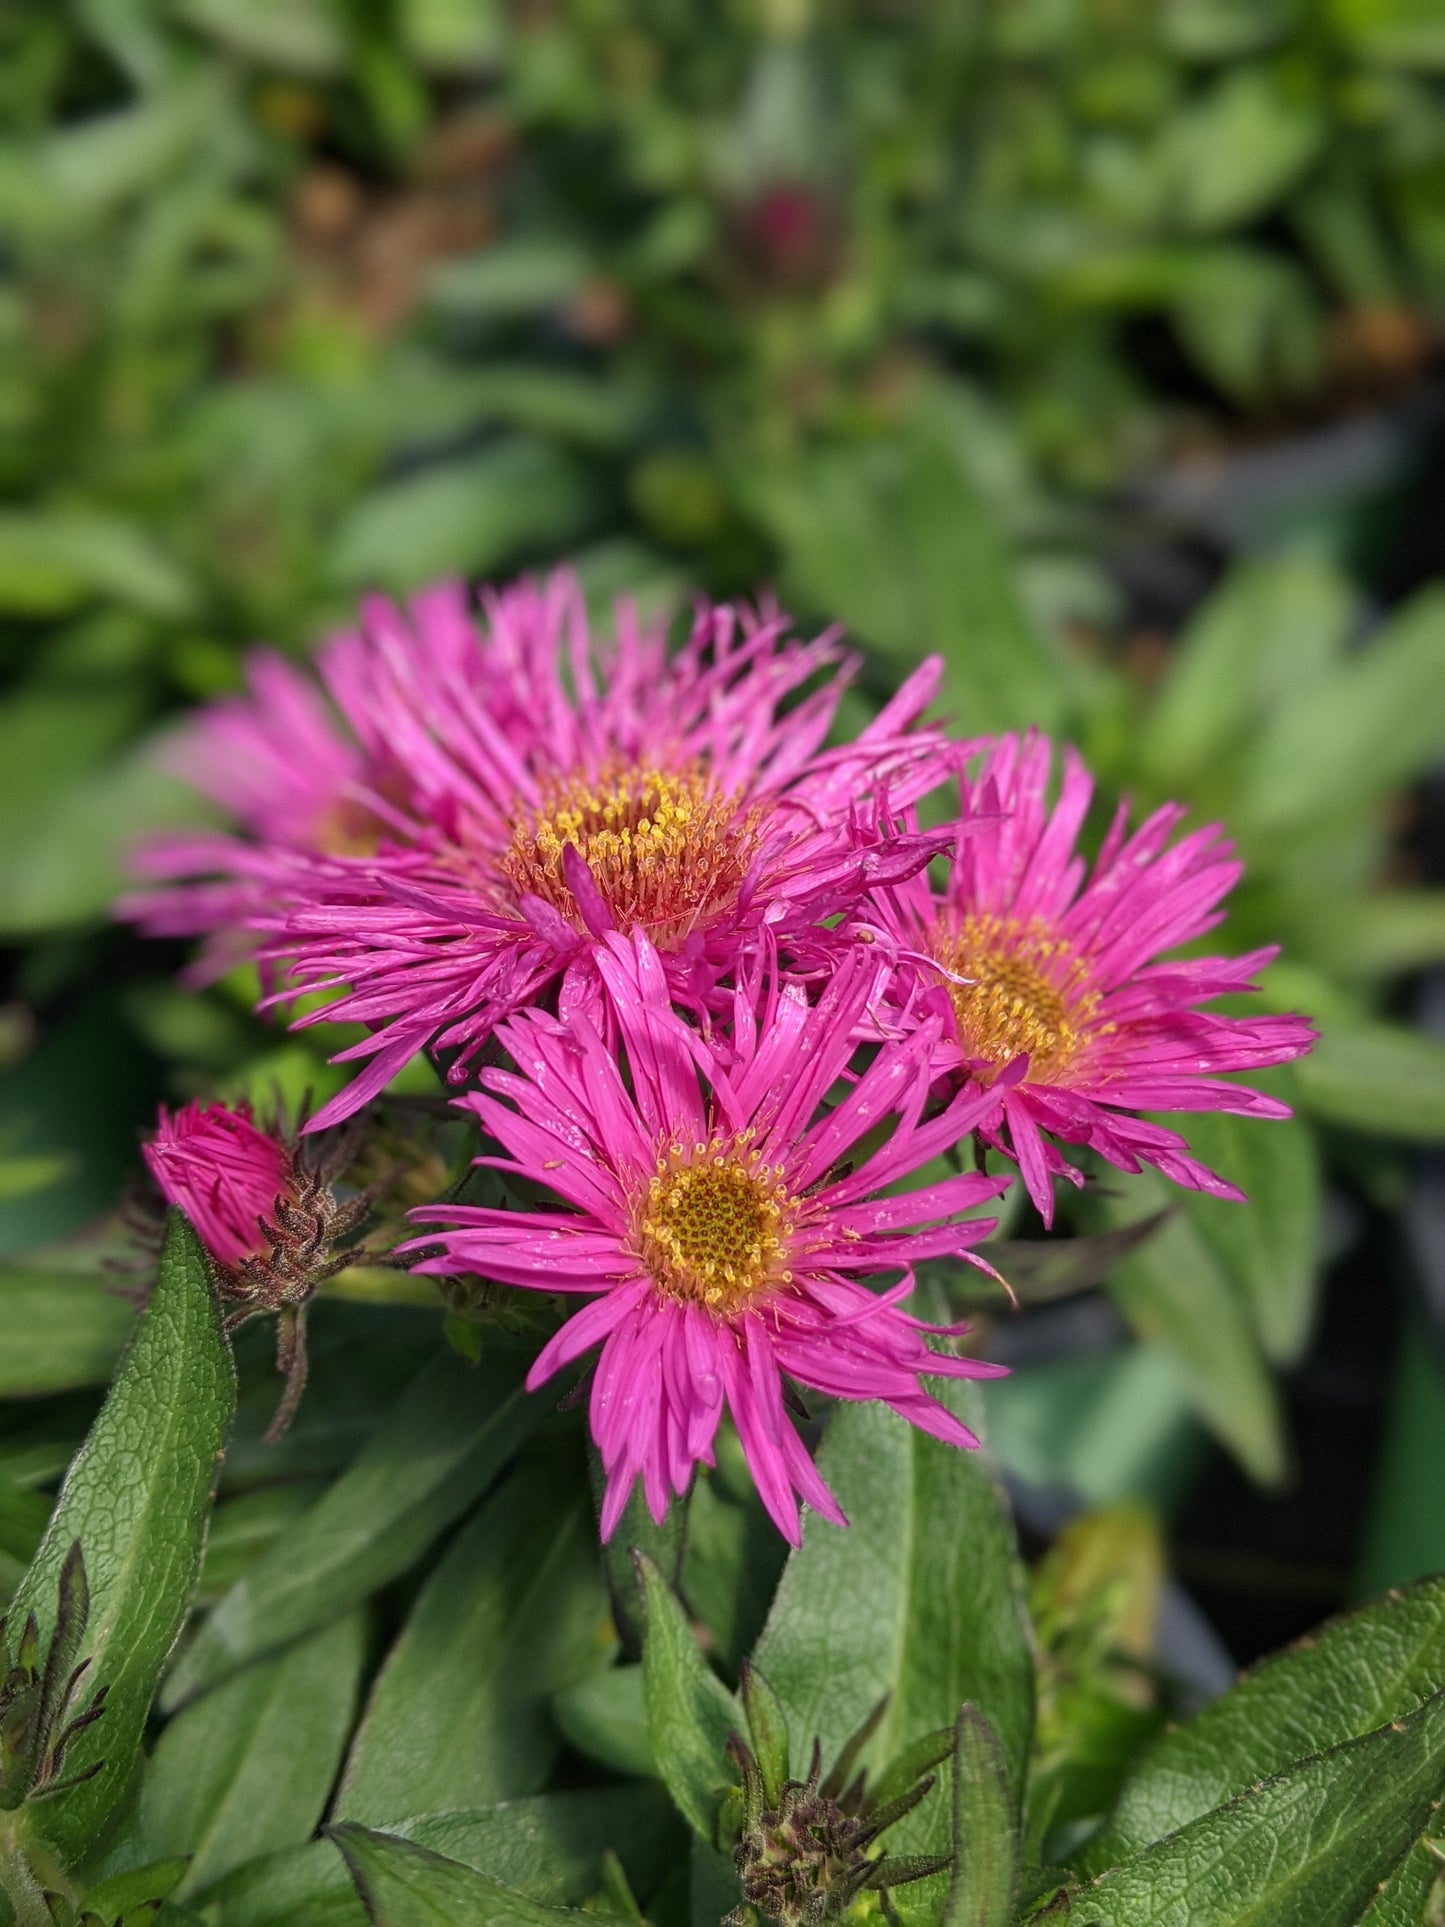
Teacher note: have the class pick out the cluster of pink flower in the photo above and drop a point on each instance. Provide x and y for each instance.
(689, 967)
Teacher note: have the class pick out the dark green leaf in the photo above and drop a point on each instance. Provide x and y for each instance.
(1106, 1425)
(1405, 1530)
(605, 1717)
(731, 1567)
(1378, 933)
(999, 672)
(985, 1835)
(247, 1769)
(1346, 738)
(1177, 1294)
(73, 862)
(549, 1847)
(917, 1599)
(1271, 1245)
(242, 1528)
(712, 1887)
(552, 1846)
(114, 1897)
(83, 1090)
(1414, 1894)
(24, 1515)
(442, 1444)
(60, 1331)
(404, 1885)
(1253, 645)
(690, 1713)
(1336, 1685)
(51, 740)
(1220, 29)
(1305, 1849)
(561, 402)
(137, 1499)
(360, 1354)
(899, 542)
(1376, 1077)
(458, 1716)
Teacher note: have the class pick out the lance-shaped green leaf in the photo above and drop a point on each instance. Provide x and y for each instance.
(1308, 1848)
(1376, 1077)
(1372, 725)
(985, 1832)
(768, 1731)
(735, 1556)
(24, 1515)
(243, 1527)
(605, 1717)
(1335, 1685)
(1414, 1894)
(713, 1889)
(550, 1847)
(1177, 1293)
(137, 1499)
(690, 1713)
(1270, 1246)
(246, 1770)
(1251, 647)
(403, 1885)
(443, 1443)
(901, 543)
(917, 1600)
(141, 1888)
(458, 1716)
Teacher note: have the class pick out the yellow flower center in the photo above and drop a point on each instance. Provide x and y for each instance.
(668, 850)
(1026, 993)
(713, 1225)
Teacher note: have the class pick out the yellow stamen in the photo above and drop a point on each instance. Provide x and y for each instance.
(1025, 992)
(714, 1223)
(668, 850)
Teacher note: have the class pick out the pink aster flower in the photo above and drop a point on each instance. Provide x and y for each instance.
(266, 1213)
(306, 773)
(713, 1219)
(597, 788)
(1047, 972)
(224, 1172)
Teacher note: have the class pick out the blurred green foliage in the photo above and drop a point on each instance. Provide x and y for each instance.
(885, 302)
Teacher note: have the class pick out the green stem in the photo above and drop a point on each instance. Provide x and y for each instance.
(22, 1890)
(18, 1878)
